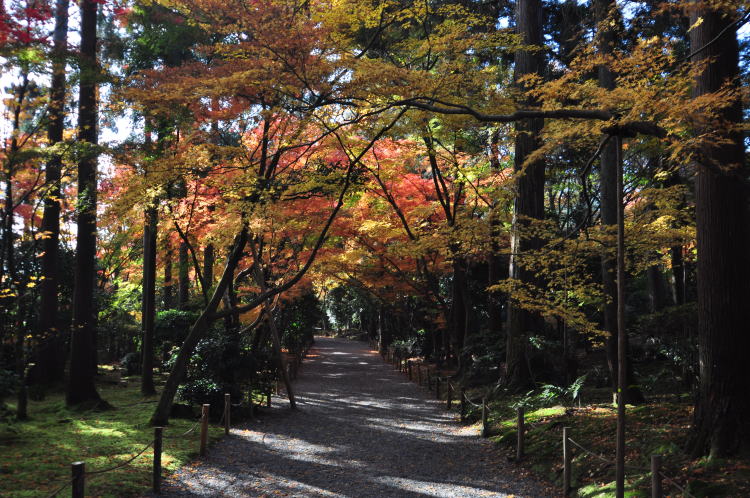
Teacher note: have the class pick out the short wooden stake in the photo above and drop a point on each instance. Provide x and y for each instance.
(520, 430)
(408, 367)
(158, 433)
(78, 477)
(656, 491)
(449, 400)
(566, 462)
(485, 411)
(227, 411)
(463, 404)
(419, 374)
(429, 379)
(204, 429)
(437, 387)
(268, 397)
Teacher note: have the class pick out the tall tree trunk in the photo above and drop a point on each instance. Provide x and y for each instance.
(458, 307)
(678, 275)
(184, 276)
(609, 205)
(81, 386)
(148, 304)
(656, 292)
(721, 202)
(168, 284)
(51, 361)
(529, 202)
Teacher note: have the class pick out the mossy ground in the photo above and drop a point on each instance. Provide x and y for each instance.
(35, 455)
(659, 427)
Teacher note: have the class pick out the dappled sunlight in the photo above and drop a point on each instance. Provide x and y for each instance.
(429, 488)
(360, 429)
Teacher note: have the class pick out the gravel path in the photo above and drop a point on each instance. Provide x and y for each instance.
(361, 430)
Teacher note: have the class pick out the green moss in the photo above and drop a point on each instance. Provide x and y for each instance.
(37, 453)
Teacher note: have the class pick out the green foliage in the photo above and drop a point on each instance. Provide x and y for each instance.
(171, 328)
(549, 394)
(298, 320)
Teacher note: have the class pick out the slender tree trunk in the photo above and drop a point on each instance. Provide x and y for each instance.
(81, 387)
(168, 284)
(184, 276)
(678, 275)
(148, 304)
(208, 266)
(720, 419)
(609, 205)
(529, 202)
(51, 360)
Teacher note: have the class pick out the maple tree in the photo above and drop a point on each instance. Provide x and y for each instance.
(506, 192)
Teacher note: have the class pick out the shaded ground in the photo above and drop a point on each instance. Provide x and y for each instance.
(361, 430)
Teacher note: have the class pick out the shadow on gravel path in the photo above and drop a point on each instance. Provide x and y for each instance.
(361, 430)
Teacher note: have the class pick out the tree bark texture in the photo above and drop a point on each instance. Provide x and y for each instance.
(529, 202)
(609, 205)
(720, 421)
(148, 302)
(81, 386)
(51, 360)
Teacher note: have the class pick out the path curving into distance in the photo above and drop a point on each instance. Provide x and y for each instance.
(361, 430)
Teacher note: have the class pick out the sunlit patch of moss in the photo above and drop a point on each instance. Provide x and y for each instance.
(36, 454)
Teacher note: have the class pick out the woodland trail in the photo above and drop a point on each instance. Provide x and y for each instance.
(361, 430)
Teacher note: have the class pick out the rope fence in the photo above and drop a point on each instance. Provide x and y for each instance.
(414, 371)
(77, 481)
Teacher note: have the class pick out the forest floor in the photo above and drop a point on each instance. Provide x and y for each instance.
(361, 430)
(35, 455)
(656, 428)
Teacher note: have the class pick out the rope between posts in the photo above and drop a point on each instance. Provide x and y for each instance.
(669, 480)
(589, 452)
(104, 471)
(67, 483)
(632, 467)
(195, 426)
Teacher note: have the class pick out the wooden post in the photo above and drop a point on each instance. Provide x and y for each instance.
(158, 433)
(429, 379)
(520, 429)
(78, 476)
(437, 387)
(227, 411)
(449, 400)
(656, 491)
(463, 404)
(408, 367)
(485, 411)
(204, 429)
(566, 462)
(419, 374)
(268, 397)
